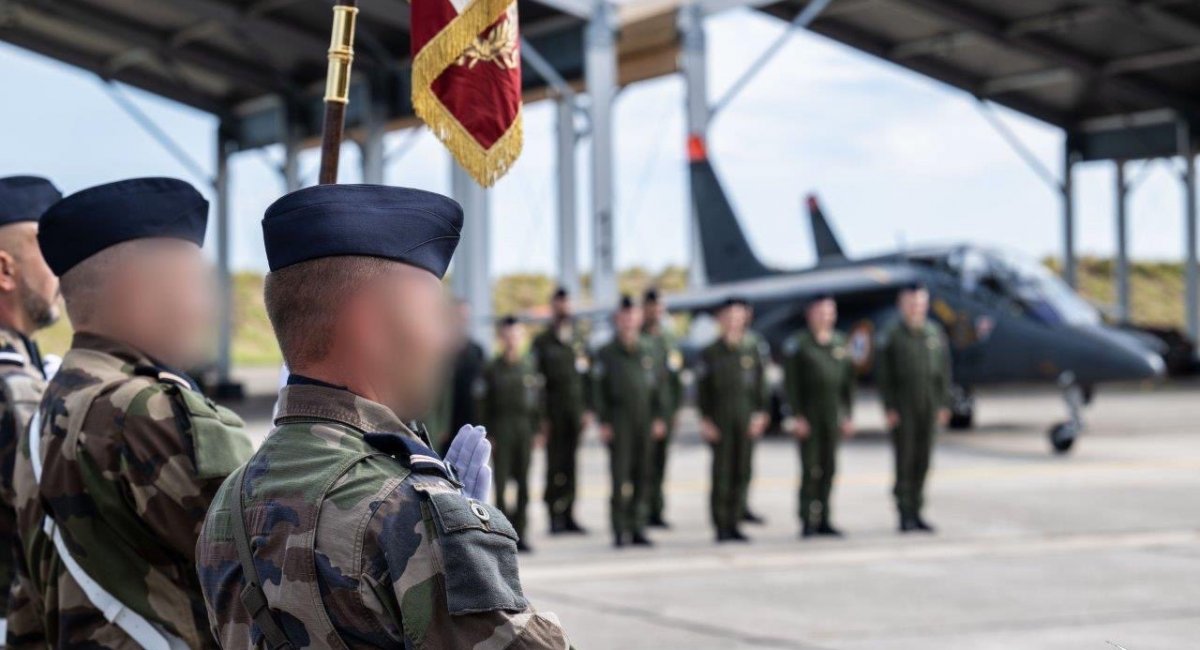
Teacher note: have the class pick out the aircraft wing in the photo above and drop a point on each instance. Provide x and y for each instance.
(840, 281)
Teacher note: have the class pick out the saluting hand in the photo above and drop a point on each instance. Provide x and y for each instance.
(468, 455)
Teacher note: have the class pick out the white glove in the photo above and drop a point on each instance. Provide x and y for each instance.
(469, 455)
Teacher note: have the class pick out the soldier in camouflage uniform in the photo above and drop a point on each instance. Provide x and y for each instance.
(28, 296)
(913, 373)
(345, 529)
(657, 331)
(818, 396)
(123, 452)
(630, 404)
(561, 356)
(733, 399)
(510, 407)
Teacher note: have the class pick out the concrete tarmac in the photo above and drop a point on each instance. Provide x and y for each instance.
(1096, 549)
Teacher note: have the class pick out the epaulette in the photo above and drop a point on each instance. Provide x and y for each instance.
(413, 453)
(10, 356)
(164, 376)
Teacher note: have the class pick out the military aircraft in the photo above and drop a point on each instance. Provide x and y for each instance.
(1009, 320)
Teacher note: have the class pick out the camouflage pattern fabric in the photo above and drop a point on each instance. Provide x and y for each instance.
(21, 384)
(132, 456)
(364, 544)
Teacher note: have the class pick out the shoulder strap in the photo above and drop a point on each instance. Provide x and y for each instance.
(253, 598)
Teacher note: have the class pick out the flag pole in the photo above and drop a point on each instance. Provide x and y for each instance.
(337, 87)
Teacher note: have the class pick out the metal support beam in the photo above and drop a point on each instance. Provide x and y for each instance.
(225, 148)
(568, 237)
(371, 143)
(472, 261)
(1122, 267)
(693, 61)
(600, 64)
(1192, 268)
(1068, 207)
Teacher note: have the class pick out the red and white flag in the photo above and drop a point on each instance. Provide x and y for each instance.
(467, 81)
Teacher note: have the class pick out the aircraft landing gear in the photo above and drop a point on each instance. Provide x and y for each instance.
(962, 408)
(1063, 434)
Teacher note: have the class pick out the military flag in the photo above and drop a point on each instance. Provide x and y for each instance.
(467, 81)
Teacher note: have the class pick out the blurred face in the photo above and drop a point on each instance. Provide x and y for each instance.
(561, 308)
(822, 315)
(25, 274)
(914, 307)
(171, 301)
(655, 311)
(733, 320)
(629, 323)
(400, 332)
(512, 337)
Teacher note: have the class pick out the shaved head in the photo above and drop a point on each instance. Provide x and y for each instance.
(154, 294)
(28, 287)
(378, 327)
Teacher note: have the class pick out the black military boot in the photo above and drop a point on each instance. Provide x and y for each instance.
(808, 530)
(618, 540)
(657, 521)
(572, 526)
(557, 525)
(639, 539)
(828, 530)
(723, 536)
(738, 536)
(752, 518)
(908, 524)
(923, 525)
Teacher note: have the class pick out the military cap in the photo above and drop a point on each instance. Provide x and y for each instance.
(915, 285)
(414, 227)
(25, 198)
(508, 321)
(560, 293)
(651, 295)
(820, 296)
(625, 303)
(97, 218)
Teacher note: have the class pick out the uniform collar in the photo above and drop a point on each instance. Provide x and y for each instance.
(23, 346)
(326, 402)
(128, 359)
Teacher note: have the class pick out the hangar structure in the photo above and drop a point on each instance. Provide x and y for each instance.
(1121, 78)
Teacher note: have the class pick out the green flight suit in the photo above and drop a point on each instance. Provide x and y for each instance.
(819, 387)
(669, 361)
(913, 373)
(560, 355)
(732, 386)
(627, 397)
(510, 407)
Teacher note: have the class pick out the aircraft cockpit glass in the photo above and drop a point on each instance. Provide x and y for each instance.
(1041, 293)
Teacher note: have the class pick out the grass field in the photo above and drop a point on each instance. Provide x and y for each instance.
(1157, 289)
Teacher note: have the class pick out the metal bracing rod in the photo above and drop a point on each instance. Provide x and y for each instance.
(1017, 146)
(545, 70)
(802, 20)
(225, 279)
(1191, 265)
(600, 67)
(1068, 207)
(154, 131)
(568, 222)
(693, 62)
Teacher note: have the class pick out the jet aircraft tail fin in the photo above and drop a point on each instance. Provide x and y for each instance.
(827, 244)
(727, 254)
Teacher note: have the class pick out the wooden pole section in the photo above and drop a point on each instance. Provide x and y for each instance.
(337, 87)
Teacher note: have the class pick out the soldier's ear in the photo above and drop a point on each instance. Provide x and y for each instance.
(8, 272)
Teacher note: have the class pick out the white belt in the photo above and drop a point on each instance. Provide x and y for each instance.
(145, 633)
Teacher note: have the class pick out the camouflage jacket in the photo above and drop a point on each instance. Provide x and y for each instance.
(131, 457)
(21, 384)
(363, 540)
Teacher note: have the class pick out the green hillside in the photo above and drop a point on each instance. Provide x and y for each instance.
(1157, 300)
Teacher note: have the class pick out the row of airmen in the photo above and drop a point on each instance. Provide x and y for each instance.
(632, 387)
(135, 512)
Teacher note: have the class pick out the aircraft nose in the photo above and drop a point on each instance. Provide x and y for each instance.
(1125, 358)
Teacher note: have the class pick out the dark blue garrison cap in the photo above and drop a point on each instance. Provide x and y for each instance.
(411, 226)
(25, 198)
(94, 219)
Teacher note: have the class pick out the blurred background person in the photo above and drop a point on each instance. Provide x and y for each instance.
(457, 407)
(510, 408)
(913, 372)
(630, 404)
(732, 396)
(819, 395)
(656, 329)
(561, 356)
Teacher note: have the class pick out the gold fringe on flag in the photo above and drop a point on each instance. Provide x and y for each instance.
(486, 166)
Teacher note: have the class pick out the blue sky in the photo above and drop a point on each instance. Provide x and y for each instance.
(896, 159)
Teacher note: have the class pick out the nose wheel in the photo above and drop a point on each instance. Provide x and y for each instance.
(1063, 435)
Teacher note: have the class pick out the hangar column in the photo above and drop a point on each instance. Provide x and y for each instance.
(1068, 204)
(600, 64)
(1122, 266)
(225, 148)
(472, 260)
(568, 238)
(1192, 300)
(694, 63)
